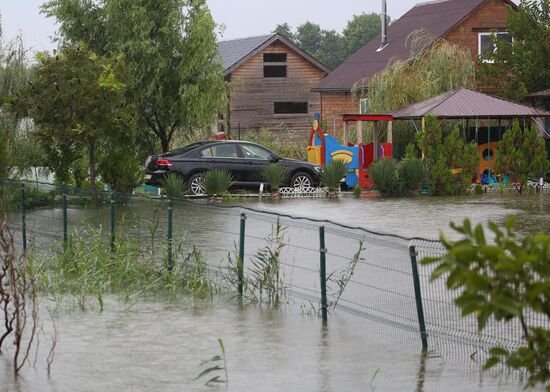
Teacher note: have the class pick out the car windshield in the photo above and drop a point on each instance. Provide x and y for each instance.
(183, 150)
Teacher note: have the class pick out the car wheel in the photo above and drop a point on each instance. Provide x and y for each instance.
(301, 180)
(196, 185)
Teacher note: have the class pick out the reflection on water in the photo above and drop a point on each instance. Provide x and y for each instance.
(159, 346)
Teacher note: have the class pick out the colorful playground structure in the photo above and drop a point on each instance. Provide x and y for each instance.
(323, 149)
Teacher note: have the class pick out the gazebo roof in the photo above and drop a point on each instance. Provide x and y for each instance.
(466, 103)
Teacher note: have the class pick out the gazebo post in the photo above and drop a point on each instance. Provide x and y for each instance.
(390, 131)
(374, 144)
(423, 133)
(359, 132)
(345, 134)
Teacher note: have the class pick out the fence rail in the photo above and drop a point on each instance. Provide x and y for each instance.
(335, 271)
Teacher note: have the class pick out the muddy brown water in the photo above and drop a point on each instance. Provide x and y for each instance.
(159, 345)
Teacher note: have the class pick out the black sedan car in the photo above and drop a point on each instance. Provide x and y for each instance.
(244, 160)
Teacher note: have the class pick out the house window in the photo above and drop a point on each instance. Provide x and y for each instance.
(274, 57)
(274, 71)
(363, 105)
(487, 46)
(290, 108)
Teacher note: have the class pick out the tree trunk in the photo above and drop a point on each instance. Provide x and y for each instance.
(165, 142)
(92, 163)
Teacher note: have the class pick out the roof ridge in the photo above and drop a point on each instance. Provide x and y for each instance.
(249, 37)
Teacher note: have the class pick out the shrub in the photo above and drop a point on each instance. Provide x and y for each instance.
(521, 154)
(404, 179)
(478, 189)
(357, 191)
(411, 173)
(274, 174)
(333, 173)
(507, 279)
(121, 169)
(173, 186)
(217, 182)
(384, 177)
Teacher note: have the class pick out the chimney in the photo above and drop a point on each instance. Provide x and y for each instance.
(384, 20)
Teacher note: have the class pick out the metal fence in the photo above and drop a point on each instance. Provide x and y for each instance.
(321, 268)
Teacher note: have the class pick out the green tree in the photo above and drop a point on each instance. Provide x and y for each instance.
(507, 279)
(285, 30)
(360, 30)
(332, 52)
(521, 154)
(309, 37)
(451, 163)
(169, 47)
(77, 102)
(521, 66)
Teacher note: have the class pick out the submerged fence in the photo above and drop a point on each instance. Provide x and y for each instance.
(318, 267)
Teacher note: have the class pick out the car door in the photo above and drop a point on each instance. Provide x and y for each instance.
(257, 158)
(224, 155)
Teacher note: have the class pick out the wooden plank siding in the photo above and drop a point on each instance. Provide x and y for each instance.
(253, 96)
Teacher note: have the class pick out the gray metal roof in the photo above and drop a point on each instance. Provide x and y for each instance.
(435, 18)
(466, 103)
(237, 51)
(233, 51)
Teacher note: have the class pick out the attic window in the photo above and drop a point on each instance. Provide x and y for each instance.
(274, 57)
(274, 71)
(487, 46)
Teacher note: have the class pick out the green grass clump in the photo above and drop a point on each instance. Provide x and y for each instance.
(333, 173)
(173, 186)
(274, 174)
(217, 182)
(404, 179)
(88, 269)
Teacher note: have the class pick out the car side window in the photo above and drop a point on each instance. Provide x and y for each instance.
(255, 152)
(220, 151)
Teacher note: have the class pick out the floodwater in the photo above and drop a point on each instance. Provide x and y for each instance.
(159, 345)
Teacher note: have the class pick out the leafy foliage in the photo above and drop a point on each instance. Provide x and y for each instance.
(168, 46)
(213, 366)
(521, 66)
(217, 182)
(451, 163)
(275, 174)
(403, 179)
(333, 173)
(120, 168)
(77, 101)
(173, 186)
(428, 72)
(506, 280)
(384, 177)
(521, 154)
(283, 142)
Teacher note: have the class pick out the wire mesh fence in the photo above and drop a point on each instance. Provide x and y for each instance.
(336, 272)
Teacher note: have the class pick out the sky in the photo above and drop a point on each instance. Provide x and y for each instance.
(241, 18)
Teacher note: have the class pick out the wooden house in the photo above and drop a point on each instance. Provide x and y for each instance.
(467, 23)
(271, 81)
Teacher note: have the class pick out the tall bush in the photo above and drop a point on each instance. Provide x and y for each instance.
(521, 154)
(403, 179)
(451, 163)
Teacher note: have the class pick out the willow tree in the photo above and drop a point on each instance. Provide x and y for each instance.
(431, 69)
(174, 78)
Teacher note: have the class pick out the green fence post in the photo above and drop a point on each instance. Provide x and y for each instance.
(323, 274)
(418, 297)
(65, 220)
(23, 218)
(240, 261)
(170, 239)
(113, 228)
